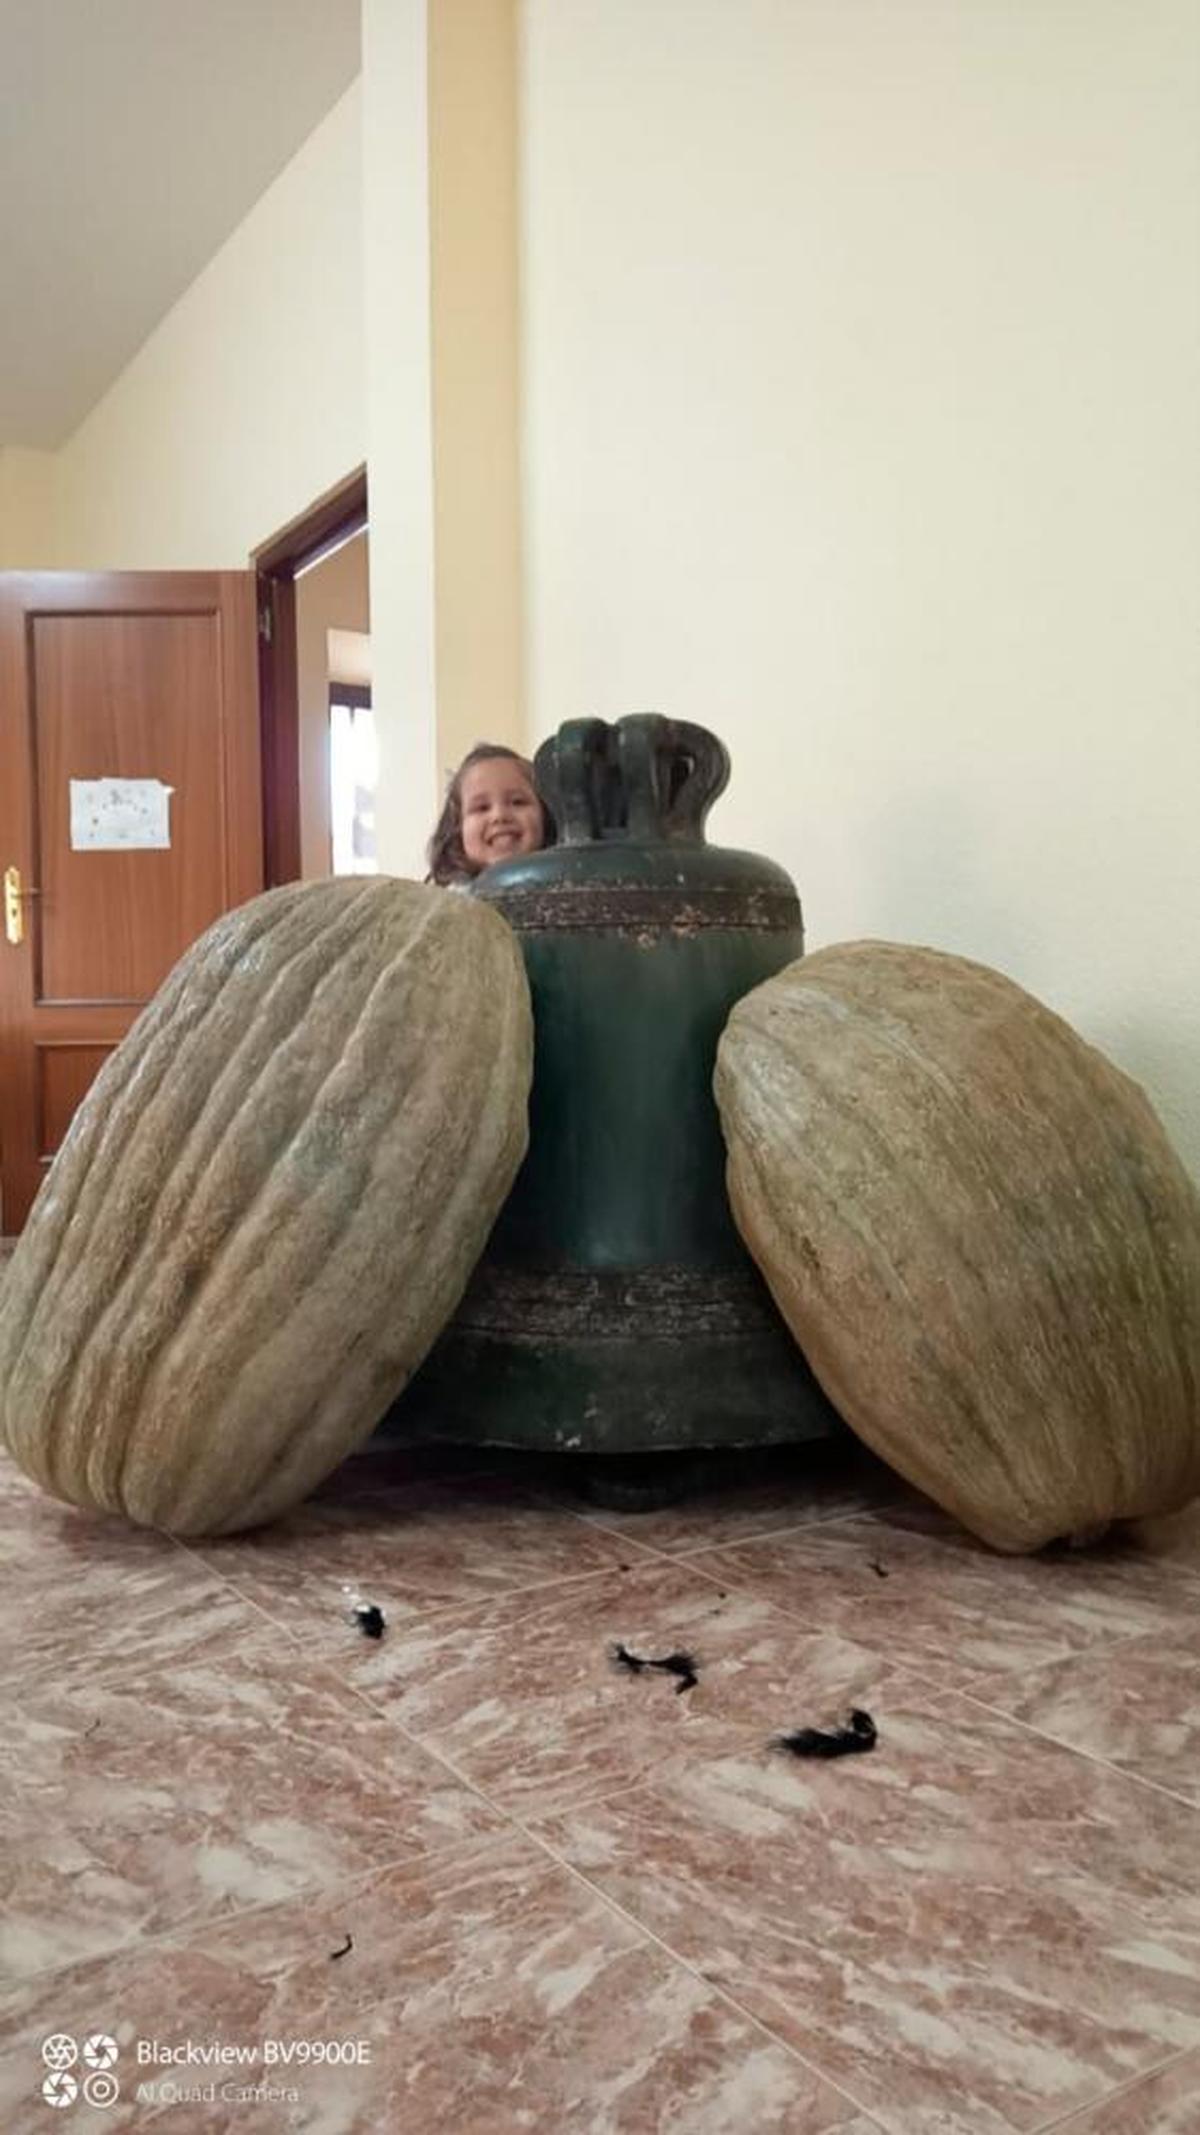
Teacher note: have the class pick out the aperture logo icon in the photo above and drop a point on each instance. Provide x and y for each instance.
(61, 2054)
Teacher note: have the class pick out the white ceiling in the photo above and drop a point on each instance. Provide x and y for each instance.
(134, 136)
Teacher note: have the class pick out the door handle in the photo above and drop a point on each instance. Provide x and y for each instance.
(14, 895)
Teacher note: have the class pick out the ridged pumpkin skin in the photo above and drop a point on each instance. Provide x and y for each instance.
(978, 1233)
(268, 1205)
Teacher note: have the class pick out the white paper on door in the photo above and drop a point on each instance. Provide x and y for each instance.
(120, 815)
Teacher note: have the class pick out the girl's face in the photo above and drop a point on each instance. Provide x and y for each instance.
(501, 813)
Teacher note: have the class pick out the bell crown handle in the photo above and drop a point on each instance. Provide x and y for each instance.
(572, 774)
(645, 777)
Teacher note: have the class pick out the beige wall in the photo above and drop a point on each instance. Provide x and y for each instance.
(332, 596)
(248, 400)
(399, 424)
(350, 654)
(859, 353)
(440, 229)
(28, 492)
(473, 267)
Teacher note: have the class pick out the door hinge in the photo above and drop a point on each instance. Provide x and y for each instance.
(264, 623)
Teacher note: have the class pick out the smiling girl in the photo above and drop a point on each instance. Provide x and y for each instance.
(492, 812)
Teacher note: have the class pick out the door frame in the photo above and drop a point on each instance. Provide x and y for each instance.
(334, 518)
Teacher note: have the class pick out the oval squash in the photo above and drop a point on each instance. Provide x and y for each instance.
(978, 1233)
(268, 1204)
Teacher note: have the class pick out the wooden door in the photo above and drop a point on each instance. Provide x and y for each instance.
(130, 676)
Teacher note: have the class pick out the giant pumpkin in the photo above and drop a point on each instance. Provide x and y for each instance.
(978, 1233)
(268, 1204)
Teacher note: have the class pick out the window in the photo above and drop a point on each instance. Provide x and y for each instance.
(354, 777)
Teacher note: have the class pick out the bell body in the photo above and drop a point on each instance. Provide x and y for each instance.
(616, 1309)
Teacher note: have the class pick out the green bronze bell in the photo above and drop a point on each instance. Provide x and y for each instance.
(616, 1310)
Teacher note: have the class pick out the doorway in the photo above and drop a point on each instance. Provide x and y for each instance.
(338, 763)
(147, 786)
(130, 819)
(318, 740)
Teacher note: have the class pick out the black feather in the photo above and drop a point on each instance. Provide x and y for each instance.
(625, 1659)
(684, 1665)
(860, 1734)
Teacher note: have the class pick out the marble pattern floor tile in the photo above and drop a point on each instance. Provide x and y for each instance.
(1137, 1707)
(792, 1489)
(491, 1990)
(412, 1551)
(138, 1804)
(522, 1695)
(971, 1930)
(27, 1512)
(1143, 1578)
(1166, 2103)
(1170, 1538)
(990, 1926)
(1154, 1558)
(81, 1594)
(940, 1596)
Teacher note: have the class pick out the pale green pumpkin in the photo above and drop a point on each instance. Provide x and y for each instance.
(268, 1205)
(978, 1233)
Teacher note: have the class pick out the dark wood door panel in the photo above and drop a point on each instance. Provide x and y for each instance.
(134, 675)
(65, 1074)
(125, 697)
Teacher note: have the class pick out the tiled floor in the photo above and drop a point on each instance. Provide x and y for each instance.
(579, 1900)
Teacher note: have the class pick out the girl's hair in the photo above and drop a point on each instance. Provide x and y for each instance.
(447, 860)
